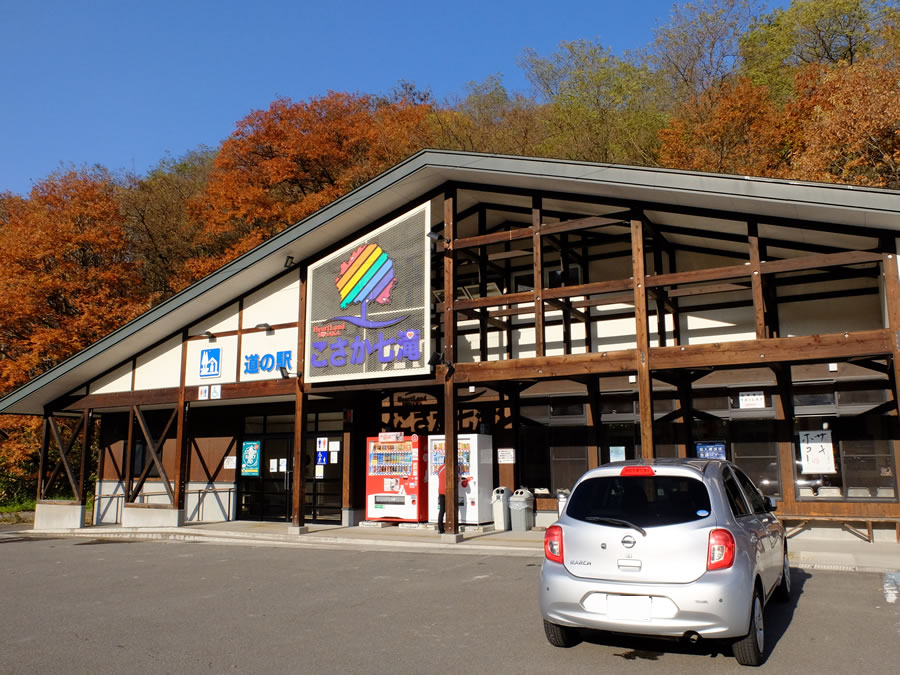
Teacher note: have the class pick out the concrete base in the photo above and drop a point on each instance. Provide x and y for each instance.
(376, 523)
(448, 538)
(415, 526)
(151, 515)
(352, 517)
(297, 529)
(58, 516)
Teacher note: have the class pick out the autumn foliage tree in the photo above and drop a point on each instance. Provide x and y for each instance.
(284, 163)
(68, 279)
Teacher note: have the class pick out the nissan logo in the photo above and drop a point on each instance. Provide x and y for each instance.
(628, 541)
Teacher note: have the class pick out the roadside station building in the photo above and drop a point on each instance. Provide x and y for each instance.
(576, 313)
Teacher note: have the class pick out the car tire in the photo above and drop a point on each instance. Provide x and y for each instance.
(560, 636)
(783, 591)
(749, 649)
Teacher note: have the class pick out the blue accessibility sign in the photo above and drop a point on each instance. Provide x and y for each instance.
(321, 457)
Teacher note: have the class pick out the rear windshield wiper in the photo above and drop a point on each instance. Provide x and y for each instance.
(615, 521)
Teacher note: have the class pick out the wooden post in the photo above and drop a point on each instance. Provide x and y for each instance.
(128, 458)
(86, 440)
(298, 489)
(451, 451)
(687, 417)
(892, 299)
(538, 277)
(595, 423)
(181, 440)
(784, 421)
(642, 356)
(42, 462)
(759, 305)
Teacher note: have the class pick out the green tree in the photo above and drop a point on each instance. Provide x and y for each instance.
(599, 107)
(827, 32)
(698, 47)
(160, 231)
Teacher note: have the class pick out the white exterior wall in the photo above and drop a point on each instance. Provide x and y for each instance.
(160, 367)
(268, 342)
(221, 322)
(115, 381)
(228, 345)
(277, 302)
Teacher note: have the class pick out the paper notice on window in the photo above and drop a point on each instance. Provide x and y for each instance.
(816, 452)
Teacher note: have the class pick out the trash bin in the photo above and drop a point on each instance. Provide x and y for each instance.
(500, 507)
(521, 510)
(562, 497)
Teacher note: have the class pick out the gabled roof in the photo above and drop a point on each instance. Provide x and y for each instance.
(843, 205)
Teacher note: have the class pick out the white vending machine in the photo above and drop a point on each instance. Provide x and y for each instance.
(475, 483)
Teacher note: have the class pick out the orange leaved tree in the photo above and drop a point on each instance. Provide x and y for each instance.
(67, 280)
(282, 164)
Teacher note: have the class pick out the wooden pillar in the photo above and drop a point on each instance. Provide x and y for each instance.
(181, 439)
(659, 295)
(538, 277)
(892, 299)
(506, 473)
(759, 305)
(451, 452)
(595, 423)
(642, 356)
(42, 462)
(86, 440)
(482, 289)
(784, 424)
(298, 489)
(676, 315)
(686, 404)
(128, 458)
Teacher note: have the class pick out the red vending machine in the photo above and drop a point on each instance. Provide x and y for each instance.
(396, 478)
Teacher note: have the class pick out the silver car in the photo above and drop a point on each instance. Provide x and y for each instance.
(681, 548)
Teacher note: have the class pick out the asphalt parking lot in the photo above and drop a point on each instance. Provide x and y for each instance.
(94, 606)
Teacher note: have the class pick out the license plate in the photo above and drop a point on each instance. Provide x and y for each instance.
(628, 607)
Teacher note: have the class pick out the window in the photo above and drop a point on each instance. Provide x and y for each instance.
(566, 466)
(735, 498)
(645, 501)
(753, 496)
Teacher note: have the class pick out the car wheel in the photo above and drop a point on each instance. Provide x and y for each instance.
(560, 636)
(783, 592)
(749, 649)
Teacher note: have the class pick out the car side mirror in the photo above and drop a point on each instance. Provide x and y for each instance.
(770, 504)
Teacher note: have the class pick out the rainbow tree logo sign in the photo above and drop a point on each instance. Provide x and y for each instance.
(368, 305)
(368, 276)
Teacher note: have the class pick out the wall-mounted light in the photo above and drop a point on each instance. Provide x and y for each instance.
(209, 334)
(437, 358)
(287, 374)
(264, 326)
(437, 236)
(289, 261)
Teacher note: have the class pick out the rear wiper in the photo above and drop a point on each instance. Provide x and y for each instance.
(615, 521)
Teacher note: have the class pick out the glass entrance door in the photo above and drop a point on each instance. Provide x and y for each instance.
(323, 473)
(268, 495)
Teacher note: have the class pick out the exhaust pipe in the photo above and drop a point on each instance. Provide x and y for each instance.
(692, 637)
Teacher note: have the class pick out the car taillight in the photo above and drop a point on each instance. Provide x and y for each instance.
(553, 543)
(721, 550)
(642, 470)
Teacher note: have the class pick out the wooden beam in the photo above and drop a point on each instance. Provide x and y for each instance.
(771, 350)
(493, 238)
(706, 289)
(812, 262)
(182, 456)
(566, 365)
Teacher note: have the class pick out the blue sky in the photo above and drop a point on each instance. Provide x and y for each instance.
(123, 83)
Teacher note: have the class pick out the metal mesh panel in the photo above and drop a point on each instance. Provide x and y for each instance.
(367, 307)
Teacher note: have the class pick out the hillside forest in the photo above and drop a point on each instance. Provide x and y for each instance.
(809, 92)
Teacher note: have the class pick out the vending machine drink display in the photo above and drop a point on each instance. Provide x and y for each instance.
(474, 484)
(396, 478)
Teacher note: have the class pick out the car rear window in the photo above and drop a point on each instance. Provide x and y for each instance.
(646, 501)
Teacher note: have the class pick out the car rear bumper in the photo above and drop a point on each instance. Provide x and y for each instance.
(717, 605)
